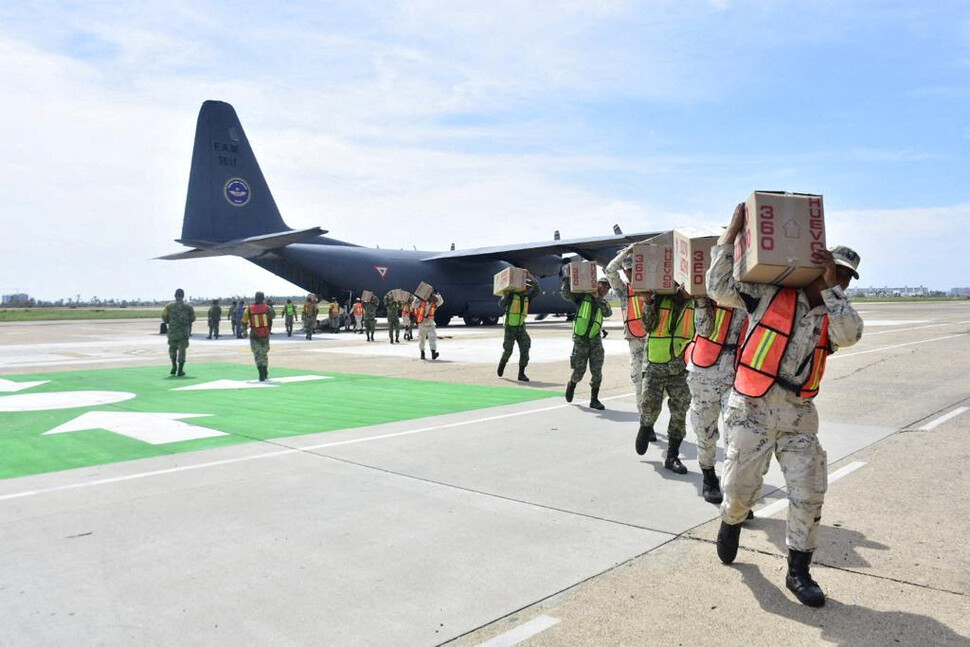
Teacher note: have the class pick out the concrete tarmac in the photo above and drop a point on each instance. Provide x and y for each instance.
(531, 524)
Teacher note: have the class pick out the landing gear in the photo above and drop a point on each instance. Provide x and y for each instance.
(471, 321)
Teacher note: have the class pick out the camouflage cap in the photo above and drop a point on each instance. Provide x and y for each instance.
(259, 297)
(846, 257)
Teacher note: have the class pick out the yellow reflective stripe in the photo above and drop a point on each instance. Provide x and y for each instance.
(663, 324)
(763, 347)
(719, 317)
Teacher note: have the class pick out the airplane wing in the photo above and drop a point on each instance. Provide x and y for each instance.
(601, 249)
(246, 247)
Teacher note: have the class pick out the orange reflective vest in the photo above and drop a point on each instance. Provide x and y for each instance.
(634, 314)
(426, 310)
(358, 309)
(759, 359)
(334, 309)
(705, 351)
(259, 319)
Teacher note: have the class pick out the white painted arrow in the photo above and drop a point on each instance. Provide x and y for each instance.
(153, 428)
(7, 386)
(250, 384)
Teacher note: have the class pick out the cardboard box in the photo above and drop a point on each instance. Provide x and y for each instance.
(781, 233)
(366, 296)
(582, 276)
(423, 291)
(399, 295)
(511, 279)
(692, 258)
(653, 265)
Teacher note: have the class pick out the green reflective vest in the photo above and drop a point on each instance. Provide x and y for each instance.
(589, 318)
(669, 338)
(517, 310)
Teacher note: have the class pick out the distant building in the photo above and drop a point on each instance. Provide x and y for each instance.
(960, 292)
(19, 299)
(920, 291)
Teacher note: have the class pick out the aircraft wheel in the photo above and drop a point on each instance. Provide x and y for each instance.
(441, 321)
(490, 321)
(472, 321)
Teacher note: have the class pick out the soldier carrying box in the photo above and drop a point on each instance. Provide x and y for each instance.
(515, 304)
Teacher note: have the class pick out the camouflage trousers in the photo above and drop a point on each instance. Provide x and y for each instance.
(669, 378)
(288, 322)
(587, 351)
(709, 391)
(370, 325)
(427, 331)
(176, 349)
(308, 326)
(638, 350)
(334, 324)
(516, 335)
(214, 328)
(393, 327)
(782, 423)
(260, 348)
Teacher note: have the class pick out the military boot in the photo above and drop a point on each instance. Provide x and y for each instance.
(672, 461)
(262, 373)
(800, 582)
(651, 434)
(570, 390)
(181, 371)
(522, 376)
(435, 354)
(501, 366)
(728, 538)
(422, 354)
(594, 401)
(174, 368)
(644, 434)
(712, 487)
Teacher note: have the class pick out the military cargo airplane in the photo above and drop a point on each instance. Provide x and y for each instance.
(229, 210)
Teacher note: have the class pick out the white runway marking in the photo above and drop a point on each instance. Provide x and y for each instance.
(152, 428)
(890, 332)
(8, 386)
(781, 504)
(522, 632)
(939, 421)
(61, 400)
(883, 348)
(219, 385)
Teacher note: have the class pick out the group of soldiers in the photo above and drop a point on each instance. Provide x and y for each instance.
(750, 355)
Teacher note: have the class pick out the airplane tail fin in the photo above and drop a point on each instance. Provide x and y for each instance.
(228, 198)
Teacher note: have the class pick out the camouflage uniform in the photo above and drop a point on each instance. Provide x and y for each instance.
(393, 318)
(289, 314)
(781, 421)
(669, 377)
(370, 317)
(215, 317)
(516, 334)
(711, 386)
(638, 345)
(310, 312)
(259, 345)
(426, 329)
(179, 316)
(333, 314)
(237, 321)
(586, 350)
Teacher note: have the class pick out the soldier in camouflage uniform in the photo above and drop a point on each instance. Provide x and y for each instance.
(333, 316)
(310, 312)
(592, 309)
(179, 316)
(259, 317)
(215, 317)
(425, 313)
(770, 408)
(393, 318)
(710, 374)
(633, 331)
(370, 316)
(516, 308)
(289, 314)
(670, 322)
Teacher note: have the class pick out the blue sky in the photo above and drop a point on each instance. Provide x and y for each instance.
(422, 124)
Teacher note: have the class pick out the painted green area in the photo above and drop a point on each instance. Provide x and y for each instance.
(57, 314)
(245, 415)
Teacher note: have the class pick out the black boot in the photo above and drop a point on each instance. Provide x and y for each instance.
(728, 538)
(800, 582)
(522, 376)
(434, 354)
(501, 366)
(651, 434)
(594, 402)
(644, 434)
(570, 390)
(422, 354)
(672, 462)
(181, 371)
(712, 487)
(174, 368)
(262, 373)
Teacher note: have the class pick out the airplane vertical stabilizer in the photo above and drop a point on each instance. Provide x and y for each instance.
(228, 198)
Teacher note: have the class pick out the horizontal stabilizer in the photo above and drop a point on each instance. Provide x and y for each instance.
(246, 247)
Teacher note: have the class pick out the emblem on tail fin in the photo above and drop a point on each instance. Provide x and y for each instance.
(237, 192)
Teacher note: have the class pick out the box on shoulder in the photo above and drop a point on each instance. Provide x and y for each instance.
(781, 232)
(692, 258)
(367, 296)
(423, 291)
(653, 265)
(511, 279)
(582, 277)
(399, 295)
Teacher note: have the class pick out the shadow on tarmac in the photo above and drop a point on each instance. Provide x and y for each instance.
(837, 546)
(848, 624)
